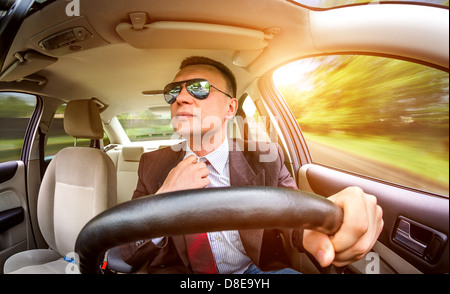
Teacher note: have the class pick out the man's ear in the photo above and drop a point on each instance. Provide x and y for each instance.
(233, 105)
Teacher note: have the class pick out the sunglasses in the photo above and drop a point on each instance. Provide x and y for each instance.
(197, 88)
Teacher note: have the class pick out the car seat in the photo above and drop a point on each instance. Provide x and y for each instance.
(79, 183)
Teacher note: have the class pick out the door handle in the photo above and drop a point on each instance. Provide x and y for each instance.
(403, 236)
(420, 239)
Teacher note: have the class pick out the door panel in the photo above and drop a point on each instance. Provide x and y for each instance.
(19, 115)
(13, 214)
(412, 219)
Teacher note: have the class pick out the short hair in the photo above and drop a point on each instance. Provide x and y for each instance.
(225, 71)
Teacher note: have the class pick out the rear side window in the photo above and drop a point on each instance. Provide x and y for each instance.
(376, 116)
(150, 124)
(15, 112)
(251, 125)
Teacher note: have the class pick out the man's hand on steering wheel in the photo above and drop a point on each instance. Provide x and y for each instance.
(362, 224)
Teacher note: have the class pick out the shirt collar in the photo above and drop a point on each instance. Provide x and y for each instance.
(217, 158)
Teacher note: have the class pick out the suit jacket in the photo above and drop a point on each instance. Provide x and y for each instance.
(263, 246)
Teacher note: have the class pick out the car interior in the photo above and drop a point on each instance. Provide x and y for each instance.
(88, 66)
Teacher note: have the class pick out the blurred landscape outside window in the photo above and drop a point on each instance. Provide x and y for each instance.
(15, 112)
(337, 3)
(380, 117)
(146, 125)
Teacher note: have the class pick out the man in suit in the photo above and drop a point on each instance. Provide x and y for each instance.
(202, 102)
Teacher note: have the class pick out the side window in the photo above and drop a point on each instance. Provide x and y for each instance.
(381, 117)
(250, 124)
(59, 139)
(15, 112)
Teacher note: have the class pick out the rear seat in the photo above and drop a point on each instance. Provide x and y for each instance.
(127, 164)
(126, 160)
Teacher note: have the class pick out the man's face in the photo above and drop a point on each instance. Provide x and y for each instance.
(192, 117)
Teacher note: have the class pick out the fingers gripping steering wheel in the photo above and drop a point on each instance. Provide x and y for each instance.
(203, 210)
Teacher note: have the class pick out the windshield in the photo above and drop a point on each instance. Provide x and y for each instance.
(337, 3)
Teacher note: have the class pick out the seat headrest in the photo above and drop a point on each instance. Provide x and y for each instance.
(132, 153)
(82, 120)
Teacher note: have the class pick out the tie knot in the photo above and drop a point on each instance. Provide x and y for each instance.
(206, 161)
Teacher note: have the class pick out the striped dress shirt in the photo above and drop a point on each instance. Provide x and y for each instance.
(227, 248)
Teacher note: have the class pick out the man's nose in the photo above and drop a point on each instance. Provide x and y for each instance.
(184, 96)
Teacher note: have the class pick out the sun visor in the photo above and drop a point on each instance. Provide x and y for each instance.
(194, 35)
(26, 64)
(191, 35)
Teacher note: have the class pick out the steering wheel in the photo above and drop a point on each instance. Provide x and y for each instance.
(202, 210)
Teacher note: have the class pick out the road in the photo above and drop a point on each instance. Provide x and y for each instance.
(340, 159)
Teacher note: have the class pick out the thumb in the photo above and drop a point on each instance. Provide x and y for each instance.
(320, 246)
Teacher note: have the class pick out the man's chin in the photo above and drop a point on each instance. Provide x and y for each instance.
(188, 133)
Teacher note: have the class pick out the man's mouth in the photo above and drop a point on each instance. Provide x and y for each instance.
(184, 115)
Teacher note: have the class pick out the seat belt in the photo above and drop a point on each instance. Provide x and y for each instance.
(42, 166)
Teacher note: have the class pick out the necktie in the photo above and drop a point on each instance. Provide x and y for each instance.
(200, 254)
(199, 251)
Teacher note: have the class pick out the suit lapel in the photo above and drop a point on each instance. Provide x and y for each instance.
(242, 174)
(180, 245)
